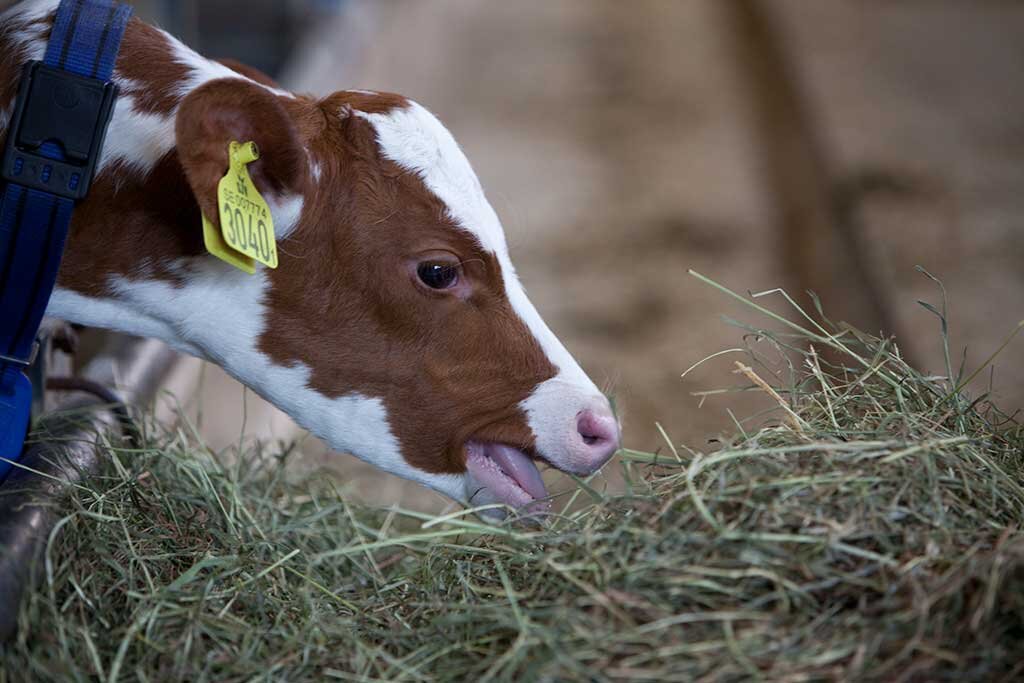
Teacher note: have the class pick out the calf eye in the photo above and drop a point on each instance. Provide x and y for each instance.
(438, 275)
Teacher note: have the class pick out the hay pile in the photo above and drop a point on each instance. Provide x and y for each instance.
(868, 532)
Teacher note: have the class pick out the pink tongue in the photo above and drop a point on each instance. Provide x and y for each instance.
(519, 467)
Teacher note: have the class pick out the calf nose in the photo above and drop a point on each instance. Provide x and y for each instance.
(598, 432)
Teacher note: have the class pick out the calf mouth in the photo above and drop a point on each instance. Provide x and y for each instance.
(509, 475)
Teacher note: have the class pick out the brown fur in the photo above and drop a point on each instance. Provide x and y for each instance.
(447, 369)
(229, 109)
(344, 300)
(146, 61)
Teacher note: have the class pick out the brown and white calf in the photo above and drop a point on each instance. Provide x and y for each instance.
(394, 327)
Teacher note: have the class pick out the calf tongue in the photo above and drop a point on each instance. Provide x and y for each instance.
(519, 467)
(507, 474)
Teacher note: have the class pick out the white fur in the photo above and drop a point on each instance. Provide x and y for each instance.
(219, 316)
(219, 313)
(413, 138)
(136, 139)
(204, 69)
(286, 212)
(112, 314)
(30, 10)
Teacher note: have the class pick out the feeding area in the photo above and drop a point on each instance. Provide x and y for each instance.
(823, 481)
(865, 528)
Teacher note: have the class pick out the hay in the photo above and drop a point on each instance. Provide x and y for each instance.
(867, 531)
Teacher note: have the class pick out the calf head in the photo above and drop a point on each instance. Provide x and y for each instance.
(396, 296)
(394, 327)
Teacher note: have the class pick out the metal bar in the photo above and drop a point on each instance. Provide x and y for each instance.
(67, 450)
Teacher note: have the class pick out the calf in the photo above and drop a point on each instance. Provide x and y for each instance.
(394, 326)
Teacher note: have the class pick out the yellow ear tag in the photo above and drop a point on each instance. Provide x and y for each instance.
(246, 230)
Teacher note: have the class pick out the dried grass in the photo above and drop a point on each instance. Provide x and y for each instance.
(869, 530)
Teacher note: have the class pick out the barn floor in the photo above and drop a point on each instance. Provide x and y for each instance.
(621, 145)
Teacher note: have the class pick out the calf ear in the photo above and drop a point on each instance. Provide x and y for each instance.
(234, 109)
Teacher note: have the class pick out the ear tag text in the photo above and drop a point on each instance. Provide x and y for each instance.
(246, 232)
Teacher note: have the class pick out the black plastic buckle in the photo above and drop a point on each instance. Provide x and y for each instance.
(57, 106)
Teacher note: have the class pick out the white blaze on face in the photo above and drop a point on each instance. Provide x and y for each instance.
(414, 139)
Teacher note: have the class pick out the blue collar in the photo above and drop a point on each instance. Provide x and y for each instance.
(54, 140)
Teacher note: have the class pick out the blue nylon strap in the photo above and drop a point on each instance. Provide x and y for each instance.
(87, 37)
(85, 40)
(37, 225)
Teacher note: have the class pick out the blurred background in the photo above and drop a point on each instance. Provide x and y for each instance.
(825, 145)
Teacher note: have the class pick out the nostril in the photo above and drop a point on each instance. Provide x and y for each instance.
(597, 429)
(590, 437)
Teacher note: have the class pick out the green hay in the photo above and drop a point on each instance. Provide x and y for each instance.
(868, 530)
